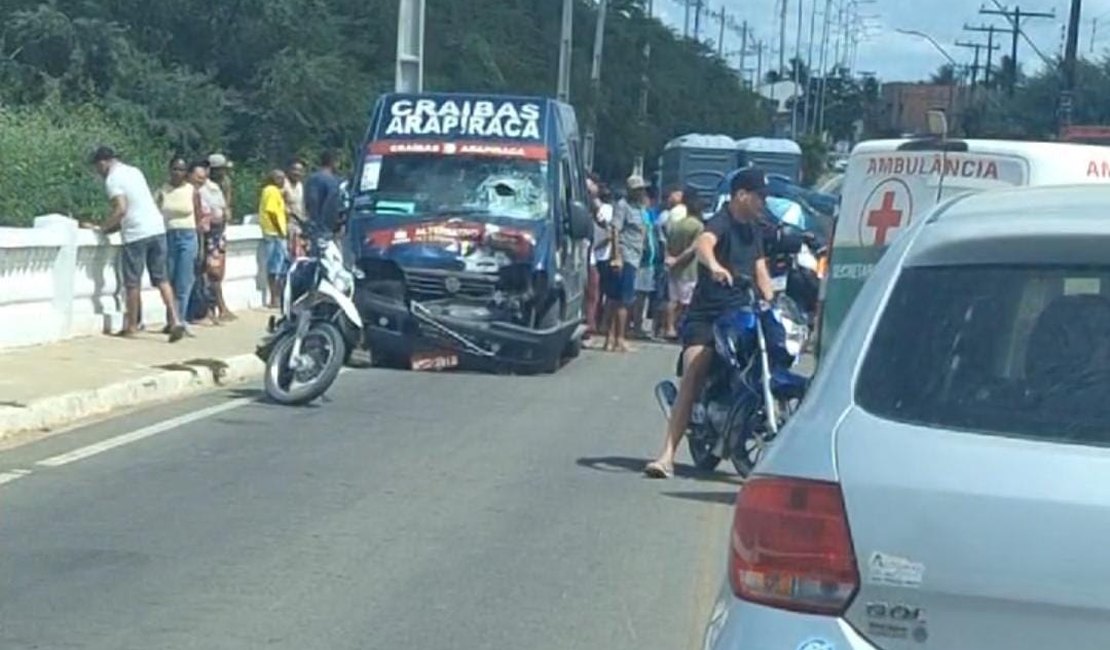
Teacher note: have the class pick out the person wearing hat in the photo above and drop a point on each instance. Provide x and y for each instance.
(620, 277)
(219, 172)
(730, 260)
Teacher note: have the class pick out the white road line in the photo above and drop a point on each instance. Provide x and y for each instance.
(14, 475)
(140, 434)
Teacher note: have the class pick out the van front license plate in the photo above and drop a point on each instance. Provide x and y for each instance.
(778, 283)
(434, 361)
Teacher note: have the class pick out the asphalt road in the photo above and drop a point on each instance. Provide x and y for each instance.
(452, 511)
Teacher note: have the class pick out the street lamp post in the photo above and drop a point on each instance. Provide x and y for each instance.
(955, 66)
(566, 37)
(410, 47)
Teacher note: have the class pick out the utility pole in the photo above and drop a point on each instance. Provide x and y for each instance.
(698, 4)
(809, 65)
(409, 75)
(1071, 50)
(978, 47)
(743, 49)
(566, 36)
(991, 47)
(797, 67)
(839, 30)
(645, 86)
(723, 15)
(819, 117)
(1094, 32)
(686, 19)
(595, 82)
(782, 37)
(760, 46)
(1015, 17)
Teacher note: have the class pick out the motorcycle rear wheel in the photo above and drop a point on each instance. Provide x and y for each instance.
(280, 377)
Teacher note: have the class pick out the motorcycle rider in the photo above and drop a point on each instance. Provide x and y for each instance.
(729, 254)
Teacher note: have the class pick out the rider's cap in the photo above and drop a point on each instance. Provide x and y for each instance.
(750, 179)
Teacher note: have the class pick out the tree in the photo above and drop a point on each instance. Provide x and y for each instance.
(945, 75)
(264, 79)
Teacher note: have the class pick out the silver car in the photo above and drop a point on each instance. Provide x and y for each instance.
(946, 483)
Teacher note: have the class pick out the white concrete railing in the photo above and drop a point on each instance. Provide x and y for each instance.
(58, 281)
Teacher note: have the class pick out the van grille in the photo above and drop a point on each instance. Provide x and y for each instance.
(432, 285)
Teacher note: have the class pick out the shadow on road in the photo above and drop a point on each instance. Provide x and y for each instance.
(636, 466)
(727, 498)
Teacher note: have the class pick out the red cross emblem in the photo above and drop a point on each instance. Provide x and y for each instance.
(885, 218)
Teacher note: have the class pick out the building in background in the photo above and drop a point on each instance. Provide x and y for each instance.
(905, 106)
(779, 98)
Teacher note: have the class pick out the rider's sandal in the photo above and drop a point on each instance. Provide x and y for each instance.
(656, 470)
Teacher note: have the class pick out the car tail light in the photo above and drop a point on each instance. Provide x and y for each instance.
(791, 547)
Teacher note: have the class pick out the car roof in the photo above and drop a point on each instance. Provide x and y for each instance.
(997, 147)
(1047, 224)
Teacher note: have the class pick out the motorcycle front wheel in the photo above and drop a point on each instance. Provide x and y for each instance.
(295, 382)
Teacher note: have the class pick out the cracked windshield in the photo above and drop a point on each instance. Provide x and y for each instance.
(554, 324)
(486, 184)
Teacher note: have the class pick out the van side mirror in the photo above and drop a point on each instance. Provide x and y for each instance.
(580, 223)
(344, 196)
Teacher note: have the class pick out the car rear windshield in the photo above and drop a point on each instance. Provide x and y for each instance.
(1010, 350)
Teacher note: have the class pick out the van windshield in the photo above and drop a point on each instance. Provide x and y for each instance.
(417, 184)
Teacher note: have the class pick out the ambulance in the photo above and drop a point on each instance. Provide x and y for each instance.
(892, 183)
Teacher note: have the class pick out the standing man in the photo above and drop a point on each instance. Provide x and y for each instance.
(683, 229)
(631, 233)
(143, 231)
(274, 222)
(322, 202)
(294, 203)
(730, 258)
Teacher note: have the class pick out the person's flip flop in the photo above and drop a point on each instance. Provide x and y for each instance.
(655, 470)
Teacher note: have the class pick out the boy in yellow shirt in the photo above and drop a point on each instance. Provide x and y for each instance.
(274, 221)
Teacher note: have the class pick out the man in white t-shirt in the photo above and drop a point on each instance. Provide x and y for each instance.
(143, 231)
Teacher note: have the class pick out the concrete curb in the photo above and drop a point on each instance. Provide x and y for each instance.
(188, 378)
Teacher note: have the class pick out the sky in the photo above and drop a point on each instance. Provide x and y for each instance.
(894, 56)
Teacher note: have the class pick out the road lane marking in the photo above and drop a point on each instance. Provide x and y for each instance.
(141, 434)
(14, 475)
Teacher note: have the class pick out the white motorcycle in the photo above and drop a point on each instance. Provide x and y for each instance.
(319, 327)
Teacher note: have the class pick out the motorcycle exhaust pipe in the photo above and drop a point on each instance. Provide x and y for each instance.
(666, 393)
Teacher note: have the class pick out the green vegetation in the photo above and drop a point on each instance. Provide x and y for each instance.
(266, 79)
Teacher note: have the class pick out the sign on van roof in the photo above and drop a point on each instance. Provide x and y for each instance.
(456, 117)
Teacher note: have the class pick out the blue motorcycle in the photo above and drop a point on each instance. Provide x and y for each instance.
(749, 393)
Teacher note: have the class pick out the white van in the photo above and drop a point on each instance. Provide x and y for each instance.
(890, 183)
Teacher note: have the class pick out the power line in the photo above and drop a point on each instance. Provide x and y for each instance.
(978, 47)
(1015, 17)
(992, 30)
(1016, 25)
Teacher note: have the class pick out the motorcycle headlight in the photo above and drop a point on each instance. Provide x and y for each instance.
(795, 334)
(343, 281)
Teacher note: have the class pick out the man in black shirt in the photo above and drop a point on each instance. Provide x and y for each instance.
(730, 258)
